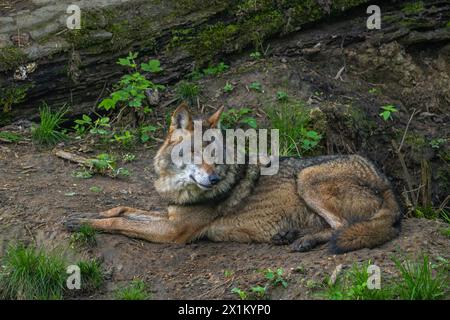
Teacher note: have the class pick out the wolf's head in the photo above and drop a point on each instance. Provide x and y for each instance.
(188, 182)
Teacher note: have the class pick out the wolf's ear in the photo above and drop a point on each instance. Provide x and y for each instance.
(181, 118)
(215, 118)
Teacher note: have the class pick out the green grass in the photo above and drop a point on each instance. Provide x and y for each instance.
(91, 274)
(233, 118)
(29, 273)
(48, 132)
(85, 236)
(417, 280)
(188, 91)
(420, 281)
(35, 274)
(136, 290)
(353, 286)
(431, 213)
(297, 138)
(446, 232)
(10, 136)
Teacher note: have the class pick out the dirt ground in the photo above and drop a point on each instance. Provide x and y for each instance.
(37, 192)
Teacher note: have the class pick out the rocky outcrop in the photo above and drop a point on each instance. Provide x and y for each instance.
(41, 57)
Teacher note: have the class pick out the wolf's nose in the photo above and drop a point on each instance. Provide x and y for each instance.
(214, 179)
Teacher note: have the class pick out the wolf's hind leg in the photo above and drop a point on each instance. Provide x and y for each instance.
(310, 241)
(285, 236)
(289, 235)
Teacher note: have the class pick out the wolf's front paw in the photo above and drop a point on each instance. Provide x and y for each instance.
(304, 244)
(76, 220)
(286, 236)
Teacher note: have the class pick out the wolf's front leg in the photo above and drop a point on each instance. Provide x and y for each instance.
(148, 225)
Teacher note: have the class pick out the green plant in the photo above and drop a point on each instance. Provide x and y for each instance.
(103, 163)
(258, 291)
(47, 132)
(128, 157)
(352, 285)
(228, 87)
(85, 236)
(214, 70)
(124, 172)
(235, 117)
(446, 232)
(10, 96)
(374, 91)
(387, 111)
(297, 137)
(282, 96)
(420, 281)
(96, 189)
(276, 277)
(228, 273)
(256, 55)
(136, 290)
(257, 86)
(428, 212)
(188, 92)
(100, 126)
(417, 280)
(82, 174)
(130, 91)
(125, 139)
(29, 273)
(242, 294)
(10, 136)
(91, 274)
(146, 132)
(436, 143)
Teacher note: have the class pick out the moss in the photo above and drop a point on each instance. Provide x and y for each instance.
(416, 23)
(10, 96)
(251, 22)
(184, 7)
(413, 8)
(357, 119)
(318, 120)
(11, 58)
(415, 140)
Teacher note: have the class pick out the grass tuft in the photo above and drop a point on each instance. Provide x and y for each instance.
(136, 290)
(10, 136)
(91, 274)
(47, 133)
(85, 236)
(29, 273)
(421, 281)
(297, 138)
(417, 280)
(188, 91)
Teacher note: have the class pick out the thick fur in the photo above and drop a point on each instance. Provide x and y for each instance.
(341, 199)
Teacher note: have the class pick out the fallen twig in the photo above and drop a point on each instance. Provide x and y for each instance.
(71, 157)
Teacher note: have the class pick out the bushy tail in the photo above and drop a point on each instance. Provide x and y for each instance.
(383, 226)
